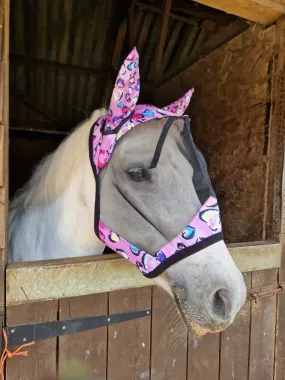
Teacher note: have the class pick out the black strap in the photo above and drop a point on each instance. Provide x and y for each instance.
(160, 143)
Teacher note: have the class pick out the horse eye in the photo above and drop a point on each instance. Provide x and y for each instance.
(137, 174)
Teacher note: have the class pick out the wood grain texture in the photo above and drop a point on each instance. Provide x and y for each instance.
(129, 342)
(89, 347)
(261, 11)
(4, 115)
(276, 137)
(263, 325)
(204, 357)
(235, 343)
(41, 360)
(279, 117)
(229, 116)
(280, 338)
(169, 339)
(99, 274)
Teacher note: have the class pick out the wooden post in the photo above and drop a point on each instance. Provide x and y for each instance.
(4, 135)
(276, 171)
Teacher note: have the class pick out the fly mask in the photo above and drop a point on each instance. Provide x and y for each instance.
(124, 114)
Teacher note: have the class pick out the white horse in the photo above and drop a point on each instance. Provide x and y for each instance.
(53, 217)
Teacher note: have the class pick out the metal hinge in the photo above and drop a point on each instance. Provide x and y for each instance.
(22, 334)
(266, 291)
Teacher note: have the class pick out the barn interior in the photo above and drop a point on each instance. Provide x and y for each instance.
(64, 57)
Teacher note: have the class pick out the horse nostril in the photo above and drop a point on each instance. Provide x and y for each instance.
(222, 304)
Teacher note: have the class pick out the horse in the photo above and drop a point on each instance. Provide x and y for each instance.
(52, 217)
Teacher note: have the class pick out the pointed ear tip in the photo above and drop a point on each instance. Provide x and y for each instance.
(134, 50)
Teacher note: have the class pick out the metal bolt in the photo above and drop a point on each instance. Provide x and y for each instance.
(63, 327)
(147, 312)
(24, 339)
(109, 319)
(12, 331)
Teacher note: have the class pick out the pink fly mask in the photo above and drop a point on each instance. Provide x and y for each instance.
(204, 229)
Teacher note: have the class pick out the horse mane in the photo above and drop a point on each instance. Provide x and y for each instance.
(53, 175)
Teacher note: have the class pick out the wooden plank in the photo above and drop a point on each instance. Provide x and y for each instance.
(276, 220)
(89, 347)
(187, 20)
(189, 42)
(235, 343)
(129, 342)
(4, 96)
(162, 36)
(276, 136)
(99, 274)
(261, 11)
(204, 13)
(33, 63)
(279, 369)
(209, 25)
(204, 357)
(3, 212)
(2, 77)
(2, 26)
(169, 339)
(263, 324)
(41, 360)
(217, 40)
(170, 46)
(2, 150)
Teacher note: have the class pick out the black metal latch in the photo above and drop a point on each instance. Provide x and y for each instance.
(22, 334)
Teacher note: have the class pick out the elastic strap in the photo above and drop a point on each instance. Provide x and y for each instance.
(160, 143)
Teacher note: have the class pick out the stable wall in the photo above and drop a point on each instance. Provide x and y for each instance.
(230, 114)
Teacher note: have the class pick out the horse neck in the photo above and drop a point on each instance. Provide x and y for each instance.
(76, 222)
(60, 223)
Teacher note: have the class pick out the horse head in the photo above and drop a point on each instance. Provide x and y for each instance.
(158, 204)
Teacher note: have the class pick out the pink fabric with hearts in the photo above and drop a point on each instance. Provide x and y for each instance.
(124, 114)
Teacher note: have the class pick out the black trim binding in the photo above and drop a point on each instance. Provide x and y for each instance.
(97, 184)
(97, 187)
(116, 130)
(188, 251)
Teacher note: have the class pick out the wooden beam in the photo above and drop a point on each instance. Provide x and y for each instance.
(53, 65)
(32, 103)
(162, 36)
(171, 44)
(201, 12)
(37, 133)
(274, 214)
(187, 20)
(55, 279)
(4, 144)
(264, 12)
